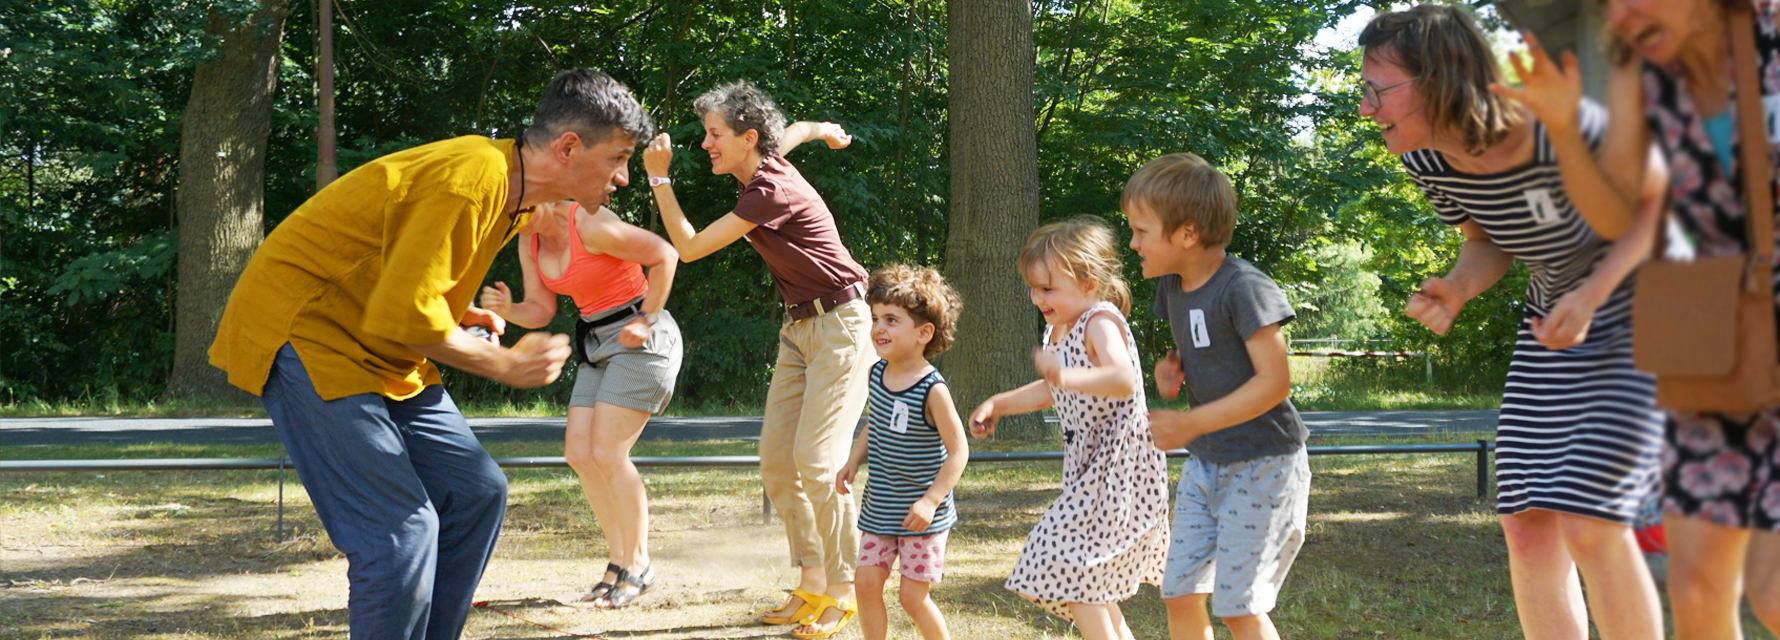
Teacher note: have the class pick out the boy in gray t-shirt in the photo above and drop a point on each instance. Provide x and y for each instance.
(1244, 494)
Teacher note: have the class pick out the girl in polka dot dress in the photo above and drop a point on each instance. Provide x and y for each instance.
(1108, 531)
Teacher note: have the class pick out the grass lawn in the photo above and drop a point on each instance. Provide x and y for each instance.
(1318, 384)
(1398, 547)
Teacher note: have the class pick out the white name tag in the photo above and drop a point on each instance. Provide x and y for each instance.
(899, 417)
(1771, 106)
(1196, 325)
(1539, 202)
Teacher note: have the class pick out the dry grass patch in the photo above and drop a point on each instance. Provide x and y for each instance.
(1399, 547)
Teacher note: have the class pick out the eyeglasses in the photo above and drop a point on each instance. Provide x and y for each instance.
(1372, 96)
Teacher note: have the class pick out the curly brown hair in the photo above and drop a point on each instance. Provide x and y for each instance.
(923, 293)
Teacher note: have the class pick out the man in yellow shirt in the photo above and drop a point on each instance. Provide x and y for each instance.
(340, 314)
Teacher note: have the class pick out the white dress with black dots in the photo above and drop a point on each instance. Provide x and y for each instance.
(1109, 530)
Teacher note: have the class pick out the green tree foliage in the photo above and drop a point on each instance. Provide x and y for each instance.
(92, 143)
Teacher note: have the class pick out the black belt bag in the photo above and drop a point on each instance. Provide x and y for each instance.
(587, 341)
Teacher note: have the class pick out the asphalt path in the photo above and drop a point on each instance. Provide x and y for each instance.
(76, 431)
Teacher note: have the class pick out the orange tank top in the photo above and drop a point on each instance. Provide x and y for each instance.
(595, 282)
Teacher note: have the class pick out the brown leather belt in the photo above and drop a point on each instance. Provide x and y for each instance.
(825, 303)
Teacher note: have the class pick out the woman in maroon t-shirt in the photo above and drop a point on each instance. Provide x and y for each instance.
(825, 352)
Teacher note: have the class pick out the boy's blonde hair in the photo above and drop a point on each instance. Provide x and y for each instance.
(923, 293)
(1084, 249)
(1181, 189)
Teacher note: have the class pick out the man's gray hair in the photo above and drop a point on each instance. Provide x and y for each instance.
(591, 104)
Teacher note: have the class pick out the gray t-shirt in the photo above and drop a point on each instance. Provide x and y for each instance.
(1211, 325)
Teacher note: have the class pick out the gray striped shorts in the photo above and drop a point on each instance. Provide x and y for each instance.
(641, 378)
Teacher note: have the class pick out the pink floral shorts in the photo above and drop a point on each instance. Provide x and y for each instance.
(922, 556)
(1723, 468)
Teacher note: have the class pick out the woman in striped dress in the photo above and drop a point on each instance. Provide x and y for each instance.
(1579, 437)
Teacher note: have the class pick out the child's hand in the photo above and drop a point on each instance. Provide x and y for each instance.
(1435, 305)
(920, 515)
(1172, 430)
(1049, 366)
(843, 481)
(982, 421)
(1169, 375)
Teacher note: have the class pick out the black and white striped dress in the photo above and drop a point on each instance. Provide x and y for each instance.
(1579, 432)
(904, 453)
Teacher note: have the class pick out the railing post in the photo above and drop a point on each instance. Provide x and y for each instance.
(1483, 464)
(1428, 365)
(280, 533)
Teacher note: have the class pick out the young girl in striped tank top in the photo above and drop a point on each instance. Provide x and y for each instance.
(915, 445)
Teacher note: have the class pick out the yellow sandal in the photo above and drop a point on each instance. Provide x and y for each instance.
(803, 612)
(848, 611)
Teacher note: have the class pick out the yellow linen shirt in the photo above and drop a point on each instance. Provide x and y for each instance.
(386, 256)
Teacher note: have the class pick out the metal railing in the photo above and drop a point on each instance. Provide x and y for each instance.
(1481, 447)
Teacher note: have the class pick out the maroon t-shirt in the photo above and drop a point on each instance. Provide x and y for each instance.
(795, 233)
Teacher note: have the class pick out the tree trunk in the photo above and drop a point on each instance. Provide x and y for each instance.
(222, 168)
(995, 198)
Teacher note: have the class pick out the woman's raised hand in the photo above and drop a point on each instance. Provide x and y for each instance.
(1553, 92)
(658, 155)
(498, 299)
(833, 134)
(1435, 305)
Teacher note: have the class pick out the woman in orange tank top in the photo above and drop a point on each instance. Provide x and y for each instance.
(630, 351)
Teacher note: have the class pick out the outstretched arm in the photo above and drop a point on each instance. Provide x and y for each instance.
(798, 133)
(1026, 399)
(688, 240)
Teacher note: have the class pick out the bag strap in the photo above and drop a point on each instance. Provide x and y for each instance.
(1758, 174)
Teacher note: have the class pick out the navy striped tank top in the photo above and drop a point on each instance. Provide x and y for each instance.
(904, 453)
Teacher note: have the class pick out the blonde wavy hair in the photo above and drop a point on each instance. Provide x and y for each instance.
(1083, 248)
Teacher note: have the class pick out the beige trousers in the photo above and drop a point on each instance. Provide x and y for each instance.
(816, 398)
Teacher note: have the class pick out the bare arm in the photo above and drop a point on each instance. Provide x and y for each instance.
(1627, 133)
(1554, 94)
(604, 232)
(1271, 385)
(1032, 397)
(1481, 264)
(1567, 323)
(798, 133)
(843, 479)
(540, 302)
(688, 240)
(534, 361)
(943, 415)
(1111, 376)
